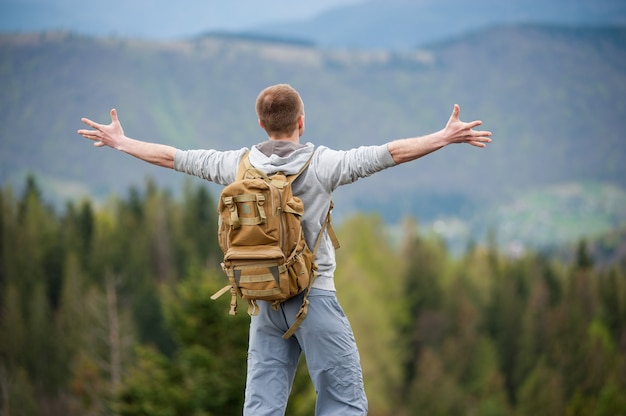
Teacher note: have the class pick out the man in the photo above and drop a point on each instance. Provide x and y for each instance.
(325, 336)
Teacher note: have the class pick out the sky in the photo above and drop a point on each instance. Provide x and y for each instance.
(159, 19)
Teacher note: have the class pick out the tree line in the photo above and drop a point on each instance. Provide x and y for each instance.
(105, 310)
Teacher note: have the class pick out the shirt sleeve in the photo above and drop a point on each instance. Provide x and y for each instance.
(212, 165)
(342, 167)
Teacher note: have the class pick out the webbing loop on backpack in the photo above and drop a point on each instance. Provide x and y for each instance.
(232, 208)
(233, 301)
(260, 201)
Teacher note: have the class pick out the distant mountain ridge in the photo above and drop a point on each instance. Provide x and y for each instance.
(372, 24)
(404, 25)
(147, 19)
(554, 97)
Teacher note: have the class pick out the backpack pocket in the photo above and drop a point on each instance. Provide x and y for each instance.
(248, 215)
(258, 274)
(301, 268)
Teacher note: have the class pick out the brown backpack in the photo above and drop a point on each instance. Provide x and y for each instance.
(265, 254)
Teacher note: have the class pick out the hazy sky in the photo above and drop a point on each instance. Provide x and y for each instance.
(154, 18)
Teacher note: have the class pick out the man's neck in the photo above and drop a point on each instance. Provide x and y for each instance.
(282, 148)
(294, 138)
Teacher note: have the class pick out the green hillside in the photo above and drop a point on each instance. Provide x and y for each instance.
(560, 213)
(554, 97)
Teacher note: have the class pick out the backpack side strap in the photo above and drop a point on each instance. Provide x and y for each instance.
(233, 298)
(304, 308)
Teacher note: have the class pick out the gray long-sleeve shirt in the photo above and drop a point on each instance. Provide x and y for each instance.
(328, 170)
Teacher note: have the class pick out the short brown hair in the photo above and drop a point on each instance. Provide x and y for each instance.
(278, 108)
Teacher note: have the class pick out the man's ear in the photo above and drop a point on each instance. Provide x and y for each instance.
(301, 125)
(261, 123)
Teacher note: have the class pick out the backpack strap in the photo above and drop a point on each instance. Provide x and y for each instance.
(233, 297)
(244, 165)
(292, 178)
(304, 308)
(329, 229)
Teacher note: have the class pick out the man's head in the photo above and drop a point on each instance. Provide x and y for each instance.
(280, 111)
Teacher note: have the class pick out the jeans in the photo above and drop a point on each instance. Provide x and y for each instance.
(326, 339)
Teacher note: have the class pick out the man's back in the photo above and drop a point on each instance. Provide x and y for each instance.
(328, 170)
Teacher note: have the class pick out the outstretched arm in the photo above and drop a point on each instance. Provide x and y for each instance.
(112, 135)
(455, 131)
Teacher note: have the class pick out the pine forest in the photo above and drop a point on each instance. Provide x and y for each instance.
(105, 310)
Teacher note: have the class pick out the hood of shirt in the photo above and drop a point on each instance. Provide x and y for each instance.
(283, 156)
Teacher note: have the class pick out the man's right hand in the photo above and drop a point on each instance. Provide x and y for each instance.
(112, 135)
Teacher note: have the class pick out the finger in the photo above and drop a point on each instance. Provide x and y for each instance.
(477, 144)
(474, 123)
(455, 112)
(89, 134)
(91, 123)
(114, 116)
(481, 133)
(481, 140)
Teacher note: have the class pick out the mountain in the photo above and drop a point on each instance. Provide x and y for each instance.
(149, 19)
(408, 24)
(361, 24)
(555, 98)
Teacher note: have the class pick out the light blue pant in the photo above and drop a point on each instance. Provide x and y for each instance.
(326, 339)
